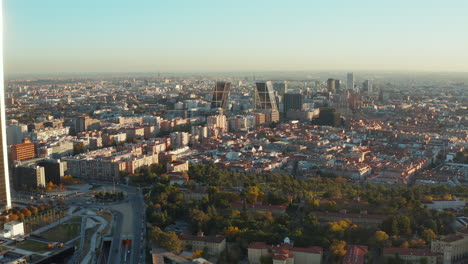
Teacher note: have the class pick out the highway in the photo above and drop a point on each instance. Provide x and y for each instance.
(138, 207)
(129, 223)
(114, 252)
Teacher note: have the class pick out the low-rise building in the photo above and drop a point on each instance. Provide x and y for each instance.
(440, 205)
(412, 255)
(284, 253)
(214, 244)
(12, 229)
(454, 248)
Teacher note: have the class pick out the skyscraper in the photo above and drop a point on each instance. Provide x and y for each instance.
(337, 86)
(264, 97)
(5, 198)
(292, 102)
(367, 86)
(350, 81)
(331, 85)
(280, 87)
(264, 100)
(221, 95)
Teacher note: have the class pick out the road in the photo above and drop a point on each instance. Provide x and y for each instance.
(114, 252)
(137, 254)
(129, 222)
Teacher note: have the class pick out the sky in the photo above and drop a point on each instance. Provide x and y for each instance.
(63, 36)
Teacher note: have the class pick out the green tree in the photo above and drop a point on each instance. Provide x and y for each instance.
(167, 240)
(199, 218)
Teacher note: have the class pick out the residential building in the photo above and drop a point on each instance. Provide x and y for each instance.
(412, 255)
(453, 248)
(214, 244)
(23, 151)
(284, 253)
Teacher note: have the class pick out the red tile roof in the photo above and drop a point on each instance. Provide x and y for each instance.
(313, 250)
(285, 247)
(355, 254)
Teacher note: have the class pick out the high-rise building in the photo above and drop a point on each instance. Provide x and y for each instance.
(265, 102)
(28, 176)
(337, 86)
(5, 198)
(221, 95)
(367, 86)
(331, 85)
(292, 102)
(54, 170)
(264, 97)
(280, 87)
(350, 81)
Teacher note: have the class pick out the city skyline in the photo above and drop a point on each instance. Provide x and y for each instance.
(119, 36)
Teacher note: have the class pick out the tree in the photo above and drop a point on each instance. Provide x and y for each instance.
(253, 192)
(338, 249)
(26, 212)
(167, 240)
(405, 244)
(13, 217)
(339, 226)
(79, 148)
(34, 210)
(199, 218)
(231, 232)
(50, 186)
(428, 235)
(380, 236)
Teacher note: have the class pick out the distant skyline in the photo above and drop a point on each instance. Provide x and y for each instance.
(56, 36)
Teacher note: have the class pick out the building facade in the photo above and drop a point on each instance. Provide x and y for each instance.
(23, 151)
(221, 95)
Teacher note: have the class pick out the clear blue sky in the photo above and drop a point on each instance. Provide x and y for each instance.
(48, 36)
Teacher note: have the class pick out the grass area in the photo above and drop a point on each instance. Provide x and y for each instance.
(63, 232)
(34, 246)
(42, 219)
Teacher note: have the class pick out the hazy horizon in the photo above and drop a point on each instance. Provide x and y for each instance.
(62, 37)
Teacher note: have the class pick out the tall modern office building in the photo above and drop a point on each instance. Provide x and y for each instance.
(264, 100)
(350, 81)
(331, 85)
(367, 86)
(221, 95)
(5, 198)
(264, 97)
(280, 87)
(337, 86)
(292, 102)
